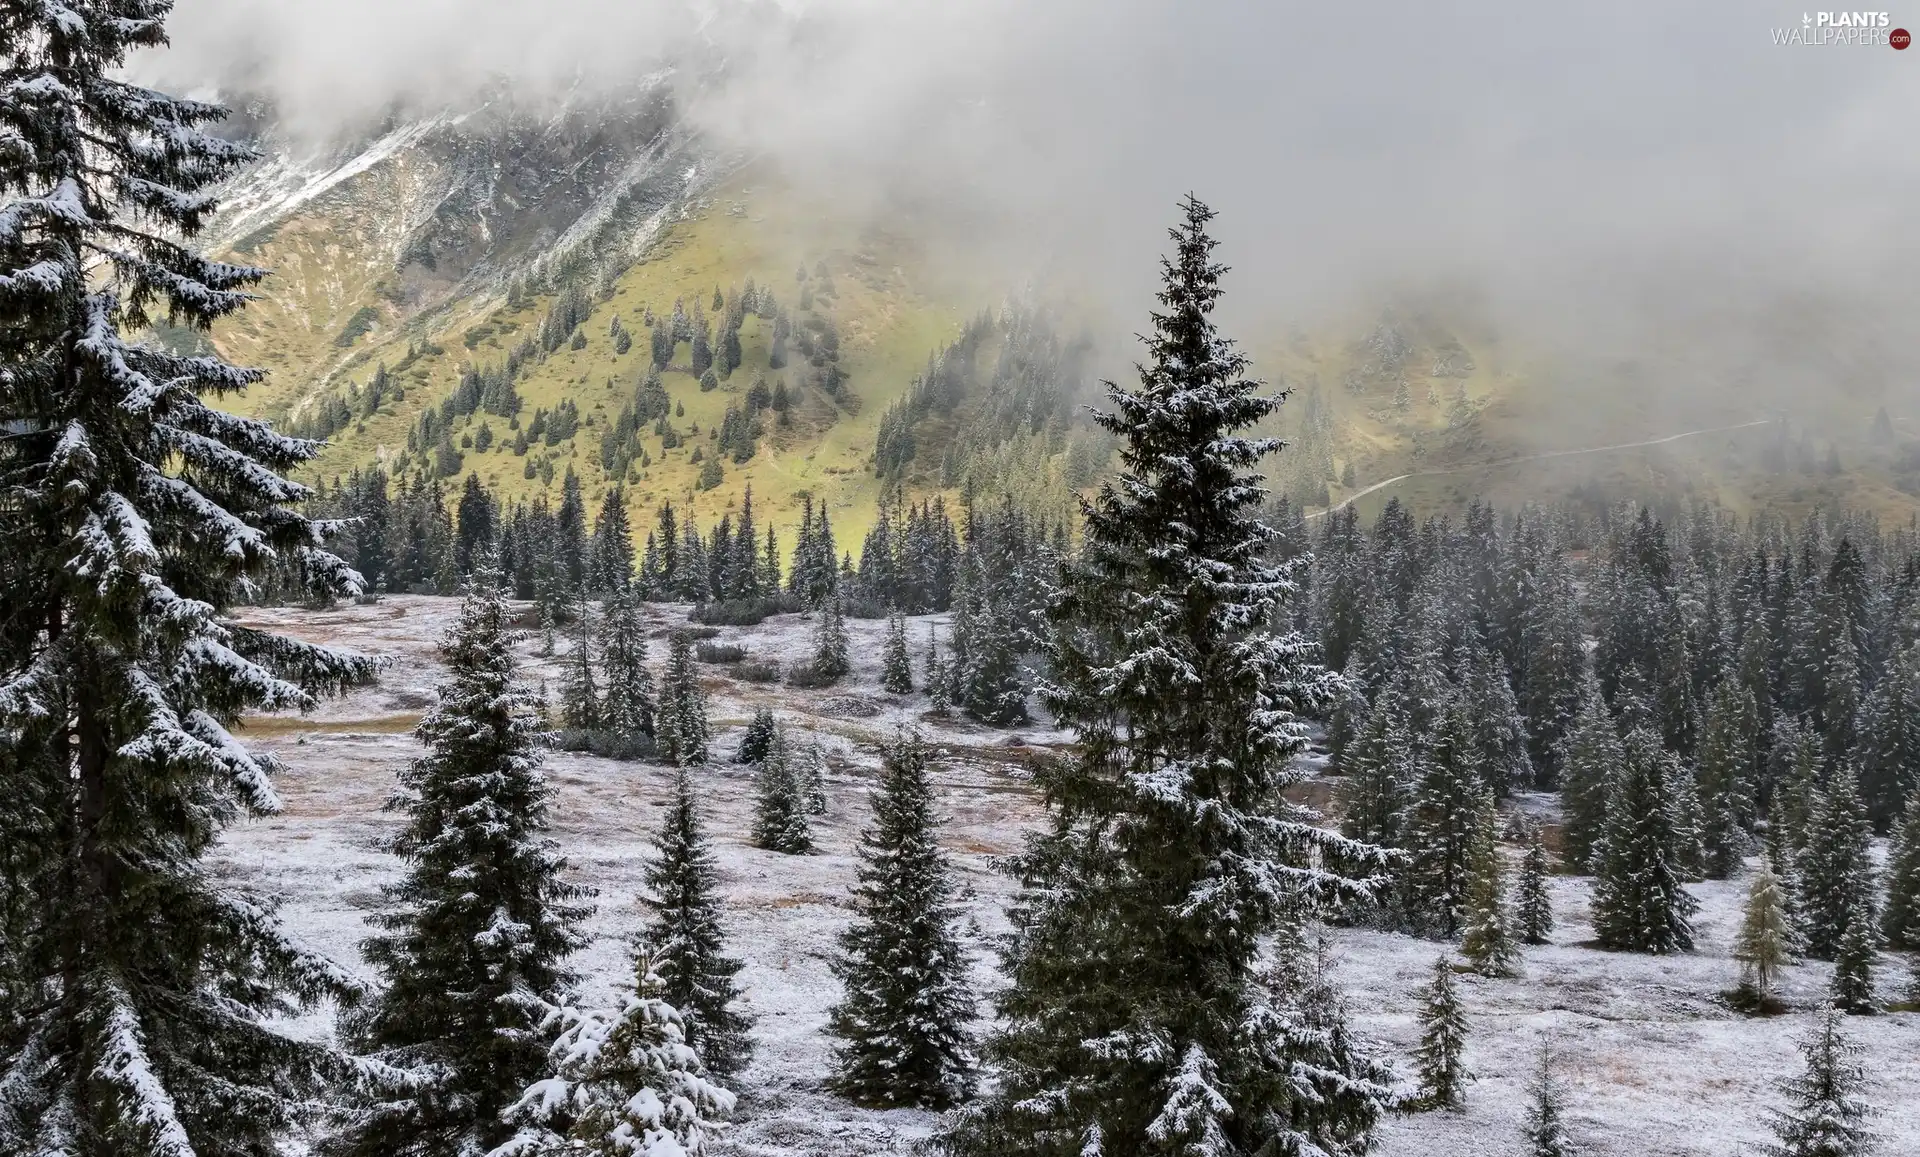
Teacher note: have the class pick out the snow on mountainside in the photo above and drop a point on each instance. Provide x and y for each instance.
(464, 199)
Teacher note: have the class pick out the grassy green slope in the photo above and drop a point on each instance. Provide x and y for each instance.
(889, 311)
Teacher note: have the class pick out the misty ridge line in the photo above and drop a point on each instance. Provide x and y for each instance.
(1040, 142)
(1358, 495)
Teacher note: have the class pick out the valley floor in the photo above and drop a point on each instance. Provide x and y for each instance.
(1652, 1063)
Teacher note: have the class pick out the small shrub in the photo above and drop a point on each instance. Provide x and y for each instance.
(605, 743)
(757, 671)
(744, 612)
(719, 653)
(694, 633)
(862, 606)
(807, 677)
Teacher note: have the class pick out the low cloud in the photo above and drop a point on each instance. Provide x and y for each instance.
(1604, 177)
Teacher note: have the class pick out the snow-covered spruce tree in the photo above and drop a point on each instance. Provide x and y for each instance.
(757, 738)
(1900, 919)
(1533, 908)
(1486, 939)
(1380, 763)
(1500, 732)
(903, 1023)
(1796, 786)
(780, 814)
(939, 682)
(610, 554)
(1688, 855)
(1782, 862)
(988, 681)
(1441, 1053)
(1726, 762)
(481, 924)
(627, 710)
(896, 670)
(1638, 901)
(140, 991)
(830, 642)
(810, 772)
(621, 1083)
(680, 727)
(1890, 747)
(1546, 1116)
(1444, 829)
(1171, 850)
(1835, 876)
(685, 944)
(1825, 1114)
(1765, 940)
(1853, 965)
(1593, 753)
(1343, 1088)
(580, 707)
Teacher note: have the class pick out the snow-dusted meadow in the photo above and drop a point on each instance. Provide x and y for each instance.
(1651, 1061)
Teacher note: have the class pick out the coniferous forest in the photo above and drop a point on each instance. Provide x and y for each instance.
(394, 814)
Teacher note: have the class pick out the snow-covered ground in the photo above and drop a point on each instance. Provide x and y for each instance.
(1651, 1062)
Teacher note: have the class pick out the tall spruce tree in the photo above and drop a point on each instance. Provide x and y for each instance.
(757, 738)
(1796, 781)
(1900, 919)
(1835, 871)
(1765, 940)
(1499, 730)
(1546, 1115)
(780, 814)
(1171, 850)
(627, 707)
(1638, 901)
(1890, 747)
(1825, 1114)
(1381, 766)
(1444, 829)
(903, 1022)
(830, 661)
(1487, 937)
(1533, 908)
(610, 567)
(896, 668)
(580, 707)
(1441, 1053)
(1592, 756)
(685, 944)
(681, 730)
(1854, 963)
(988, 681)
(939, 695)
(476, 942)
(140, 991)
(1726, 761)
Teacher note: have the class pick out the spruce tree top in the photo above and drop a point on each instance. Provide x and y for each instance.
(1158, 623)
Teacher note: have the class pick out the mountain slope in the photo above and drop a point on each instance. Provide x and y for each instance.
(437, 245)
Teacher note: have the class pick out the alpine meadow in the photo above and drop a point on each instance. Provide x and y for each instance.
(713, 578)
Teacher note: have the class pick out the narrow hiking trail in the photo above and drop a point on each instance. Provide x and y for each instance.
(1359, 494)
